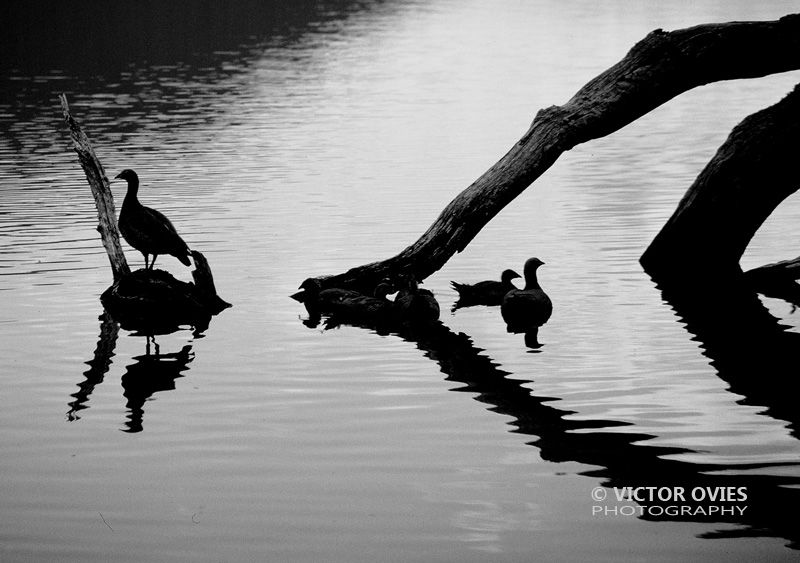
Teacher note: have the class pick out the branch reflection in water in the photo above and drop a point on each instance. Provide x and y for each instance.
(150, 373)
(624, 458)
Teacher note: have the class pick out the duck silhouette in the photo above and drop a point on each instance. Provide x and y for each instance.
(489, 292)
(360, 307)
(344, 302)
(414, 304)
(146, 229)
(312, 294)
(526, 309)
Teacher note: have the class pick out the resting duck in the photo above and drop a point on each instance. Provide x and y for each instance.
(490, 292)
(146, 229)
(415, 304)
(524, 309)
(366, 308)
(345, 302)
(312, 294)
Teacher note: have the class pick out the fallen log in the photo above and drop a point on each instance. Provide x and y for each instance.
(147, 300)
(750, 175)
(658, 68)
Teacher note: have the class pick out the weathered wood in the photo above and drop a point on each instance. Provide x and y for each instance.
(148, 300)
(751, 174)
(658, 68)
(204, 282)
(104, 201)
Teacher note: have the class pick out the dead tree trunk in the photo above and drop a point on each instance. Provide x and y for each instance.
(98, 182)
(658, 68)
(150, 300)
(751, 174)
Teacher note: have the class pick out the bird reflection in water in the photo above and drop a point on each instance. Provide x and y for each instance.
(150, 373)
(627, 458)
(523, 310)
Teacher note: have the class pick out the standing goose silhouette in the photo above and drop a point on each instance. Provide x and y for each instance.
(146, 229)
(528, 308)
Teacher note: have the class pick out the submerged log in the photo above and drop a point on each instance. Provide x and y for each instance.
(751, 174)
(149, 300)
(155, 301)
(658, 68)
(777, 280)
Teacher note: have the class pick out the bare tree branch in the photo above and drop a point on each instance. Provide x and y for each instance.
(658, 68)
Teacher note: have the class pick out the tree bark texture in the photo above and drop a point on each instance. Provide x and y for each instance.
(151, 300)
(751, 174)
(104, 201)
(658, 68)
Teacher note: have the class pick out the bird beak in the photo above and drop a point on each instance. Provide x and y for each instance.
(117, 176)
(299, 296)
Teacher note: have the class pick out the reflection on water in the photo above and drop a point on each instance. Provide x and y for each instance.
(290, 140)
(626, 459)
(747, 346)
(98, 366)
(150, 373)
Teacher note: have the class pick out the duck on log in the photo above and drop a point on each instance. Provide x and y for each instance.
(146, 298)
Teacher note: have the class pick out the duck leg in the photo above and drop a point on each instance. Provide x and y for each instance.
(153, 261)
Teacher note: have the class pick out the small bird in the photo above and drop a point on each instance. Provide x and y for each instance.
(146, 229)
(367, 308)
(529, 308)
(312, 295)
(414, 304)
(490, 292)
(347, 304)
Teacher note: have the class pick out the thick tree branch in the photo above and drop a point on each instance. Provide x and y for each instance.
(751, 174)
(658, 68)
(104, 201)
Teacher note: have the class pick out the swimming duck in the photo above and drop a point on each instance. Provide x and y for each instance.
(345, 303)
(146, 229)
(415, 304)
(524, 309)
(490, 292)
(364, 307)
(312, 294)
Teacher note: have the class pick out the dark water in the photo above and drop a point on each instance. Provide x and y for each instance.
(289, 142)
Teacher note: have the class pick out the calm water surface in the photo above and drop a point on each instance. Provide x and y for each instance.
(290, 143)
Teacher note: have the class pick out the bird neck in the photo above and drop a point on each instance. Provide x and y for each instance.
(531, 281)
(131, 195)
